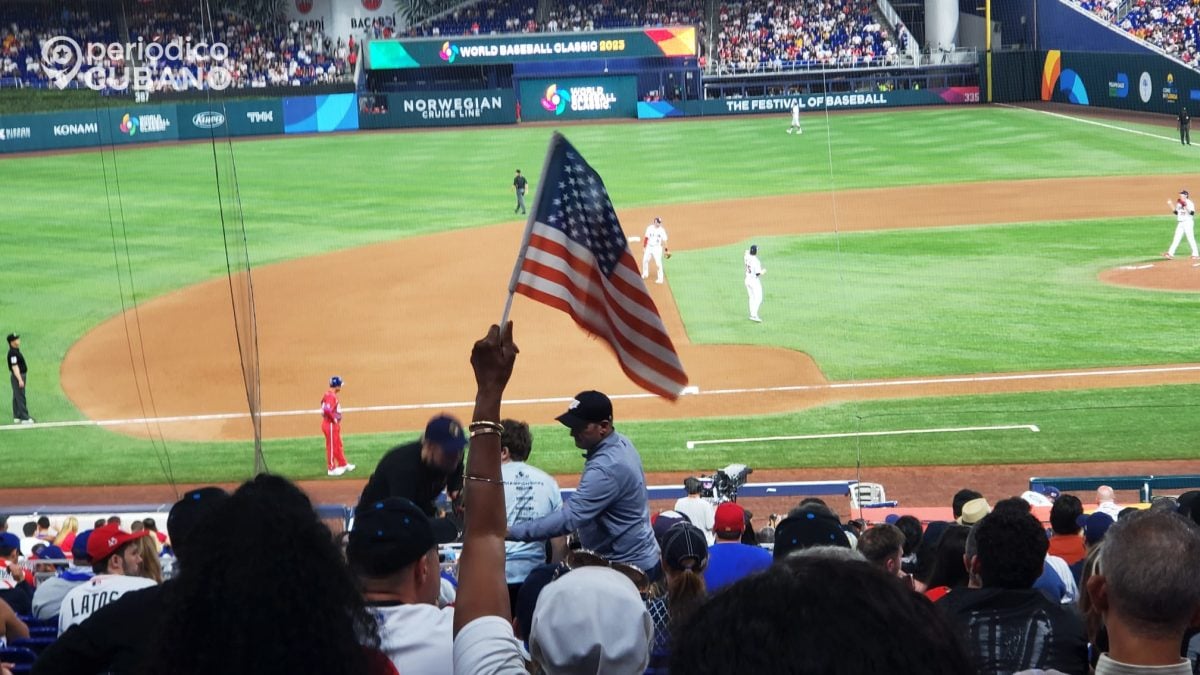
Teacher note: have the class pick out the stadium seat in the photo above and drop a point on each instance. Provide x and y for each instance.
(22, 659)
(870, 495)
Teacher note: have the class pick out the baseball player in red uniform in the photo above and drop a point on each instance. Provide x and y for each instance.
(331, 426)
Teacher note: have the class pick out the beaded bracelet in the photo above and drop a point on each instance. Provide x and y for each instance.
(483, 424)
(481, 479)
(484, 432)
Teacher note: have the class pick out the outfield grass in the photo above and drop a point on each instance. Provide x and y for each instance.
(947, 301)
(93, 231)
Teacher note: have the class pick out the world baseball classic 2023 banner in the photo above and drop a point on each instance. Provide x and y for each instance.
(470, 50)
(1149, 83)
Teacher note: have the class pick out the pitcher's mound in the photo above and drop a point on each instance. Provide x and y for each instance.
(1180, 274)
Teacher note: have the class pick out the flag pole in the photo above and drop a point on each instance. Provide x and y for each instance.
(512, 282)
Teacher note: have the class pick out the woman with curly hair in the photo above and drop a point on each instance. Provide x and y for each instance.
(264, 589)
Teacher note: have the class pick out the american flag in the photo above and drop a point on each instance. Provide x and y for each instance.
(576, 258)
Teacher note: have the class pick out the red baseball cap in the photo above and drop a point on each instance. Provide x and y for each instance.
(729, 518)
(105, 541)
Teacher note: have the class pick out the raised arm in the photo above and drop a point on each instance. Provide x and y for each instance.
(481, 587)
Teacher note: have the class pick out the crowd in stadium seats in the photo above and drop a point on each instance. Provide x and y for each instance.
(254, 582)
(282, 54)
(776, 35)
(1170, 25)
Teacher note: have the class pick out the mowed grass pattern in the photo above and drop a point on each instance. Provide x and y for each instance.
(89, 233)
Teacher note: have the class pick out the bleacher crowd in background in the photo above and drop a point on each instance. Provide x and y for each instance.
(1170, 25)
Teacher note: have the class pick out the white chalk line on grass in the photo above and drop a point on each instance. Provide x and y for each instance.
(691, 445)
(1084, 120)
(690, 391)
(1092, 122)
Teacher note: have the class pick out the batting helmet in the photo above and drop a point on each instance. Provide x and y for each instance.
(335, 381)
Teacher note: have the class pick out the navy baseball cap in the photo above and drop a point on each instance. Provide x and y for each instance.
(392, 534)
(335, 381)
(51, 552)
(79, 548)
(188, 511)
(1184, 193)
(447, 432)
(13, 336)
(587, 408)
(9, 542)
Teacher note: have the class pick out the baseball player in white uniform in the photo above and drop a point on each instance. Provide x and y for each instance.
(754, 272)
(1185, 224)
(654, 245)
(795, 128)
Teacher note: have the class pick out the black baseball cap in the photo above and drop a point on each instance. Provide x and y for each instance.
(588, 407)
(13, 336)
(392, 534)
(189, 510)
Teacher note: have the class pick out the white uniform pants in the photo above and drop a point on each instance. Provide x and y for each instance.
(652, 251)
(1185, 228)
(754, 290)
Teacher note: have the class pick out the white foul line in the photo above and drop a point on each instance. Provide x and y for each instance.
(1087, 121)
(898, 432)
(691, 391)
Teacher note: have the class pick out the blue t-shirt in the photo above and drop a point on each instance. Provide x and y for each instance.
(729, 562)
(529, 494)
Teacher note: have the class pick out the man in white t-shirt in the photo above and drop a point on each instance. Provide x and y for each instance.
(654, 246)
(754, 270)
(117, 562)
(393, 549)
(529, 494)
(699, 511)
(1185, 224)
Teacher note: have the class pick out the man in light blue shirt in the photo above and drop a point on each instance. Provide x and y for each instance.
(610, 509)
(529, 494)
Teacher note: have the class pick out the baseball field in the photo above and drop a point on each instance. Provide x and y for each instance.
(946, 286)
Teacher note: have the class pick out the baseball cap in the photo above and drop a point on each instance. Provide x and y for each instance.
(587, 407)
(13, 336)
(51, 552)
(9, 542)
(1048, 490)
(392, 534)
(729, 519)
(79, 549)
(591, 621)
(1095, 526)
(447, 432)
(106, 540)
(664, 521)
(808, 529)
(187, 512)
(1184, 193)
(685, 547)
(974, 511)
(335, 381)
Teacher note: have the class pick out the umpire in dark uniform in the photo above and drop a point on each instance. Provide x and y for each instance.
(1185, 124)
(519, 185)
(17, 369)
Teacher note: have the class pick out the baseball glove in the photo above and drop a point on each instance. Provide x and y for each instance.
(667, 255)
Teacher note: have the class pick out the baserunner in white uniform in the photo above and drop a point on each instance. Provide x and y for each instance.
(1185, 224)
(754, 270)
(654, 243)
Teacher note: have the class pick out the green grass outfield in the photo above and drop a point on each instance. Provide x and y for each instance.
(82, 222)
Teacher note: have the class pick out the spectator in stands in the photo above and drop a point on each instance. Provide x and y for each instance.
(1007, 624)
(65, 539)
(529, 494)
(151, 567)
(393, 549)
(420, 470)
(808, 525)
(291, 607)
(609, 508)
(818, 615)
(699, 511)
(729, 559)
(685, 556)
(29, 529)
(43, 529)
(1106, 502)
(926, 552)
(1094, 527)
(960, 498)
(15, 588)
(117, 564)
(116, 638)
(949, 569)
(974, 511)
(1066, 541)
(160, 537)
(1145, 590)
(883, 546)
(47, 599)
(911, 527)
